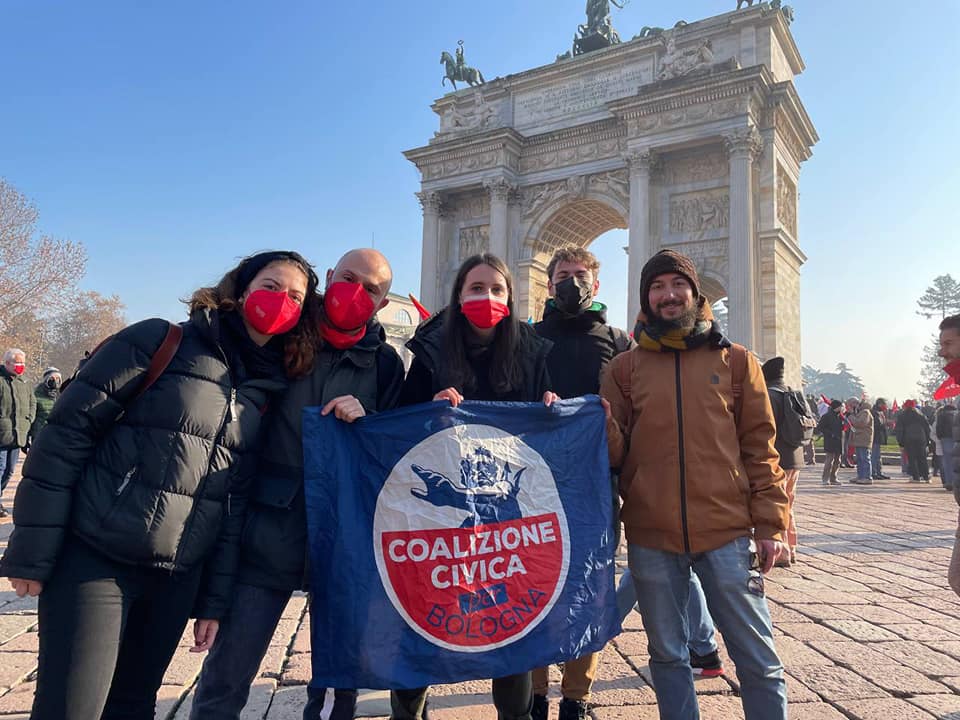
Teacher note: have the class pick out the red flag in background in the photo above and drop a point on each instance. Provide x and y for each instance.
(949, 389)
(424, 313)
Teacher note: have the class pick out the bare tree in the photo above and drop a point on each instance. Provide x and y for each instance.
(37, 275)
(92, 318)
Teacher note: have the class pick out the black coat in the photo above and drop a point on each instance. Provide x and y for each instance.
(879, 426)
(831, 427)
(159, 481)
(426, 376)
(273, 548)
(790, 458)
(18, 410)
(582, 346)
(912, 428)
(944, 422)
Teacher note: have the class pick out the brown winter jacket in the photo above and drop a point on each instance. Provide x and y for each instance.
(692, 480)
(862, 424)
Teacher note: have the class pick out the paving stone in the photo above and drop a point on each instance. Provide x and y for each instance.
(13, 625)
(820, 611)
(301, 641)
(809, 631)
(184, 667)
(944, 707)
(297, 671)
(285, 632)
(261, 695)
(889, 709)
(168, 699)
(920, 658)
(836, 683)
(18, 700)
(898, 680)
(21, 606)
(373, 703)
(921, 632)
(794, 653)
(631, 643)
(28, 642)
(617, 683)
(883, 616)
(273, 661)
(288, 704)
(15, 666)
(797, 692)
(815, 711)
(295, 608)
(861, 630)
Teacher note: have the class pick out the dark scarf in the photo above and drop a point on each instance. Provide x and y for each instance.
(654, 338)
(247, 359)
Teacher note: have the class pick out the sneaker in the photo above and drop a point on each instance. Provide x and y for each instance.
(707, 666)
(540, 708)
(881, 476)
(3, 511)
(834, 481)
(572, 709)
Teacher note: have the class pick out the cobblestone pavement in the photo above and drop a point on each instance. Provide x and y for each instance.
(865, 624)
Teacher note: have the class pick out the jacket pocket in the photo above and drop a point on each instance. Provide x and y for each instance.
(120, 492)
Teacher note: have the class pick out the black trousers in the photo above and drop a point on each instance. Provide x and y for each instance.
(917, 460)
(107, 633)
(512, 696)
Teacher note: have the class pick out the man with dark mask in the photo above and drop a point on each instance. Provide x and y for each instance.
(46, 393)
(18, 408)
(691, 431)
(583, 344)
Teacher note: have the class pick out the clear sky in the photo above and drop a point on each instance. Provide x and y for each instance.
(173, 137)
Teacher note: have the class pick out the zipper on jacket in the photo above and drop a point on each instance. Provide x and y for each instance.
(226, 419)
(126, 480)
(683, 467)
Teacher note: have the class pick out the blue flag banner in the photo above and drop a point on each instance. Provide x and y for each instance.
(451, 544)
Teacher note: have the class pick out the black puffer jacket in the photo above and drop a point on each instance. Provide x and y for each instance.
(912, 427)
(273, 549)
(831, 427)
(160, 481)
(18, 409)
(426, 377)
(582, 346)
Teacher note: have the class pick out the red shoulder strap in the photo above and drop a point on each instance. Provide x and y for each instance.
(161, 359)
(738, 372)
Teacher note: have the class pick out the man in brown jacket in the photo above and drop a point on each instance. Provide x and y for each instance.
(692, 433)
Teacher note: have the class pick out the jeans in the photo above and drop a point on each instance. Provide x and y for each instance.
(107, 633)
(740, 611)
(8, 463)
(949, 472)
(512, 696)
(863, 463)
(701, 631)
(232, 664)
(875, 461)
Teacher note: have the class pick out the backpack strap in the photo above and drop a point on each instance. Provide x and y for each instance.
(738, 373)
(161, 359)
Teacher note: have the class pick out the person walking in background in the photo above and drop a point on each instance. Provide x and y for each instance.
(831, 427)
(18, 408)
(862, 442)
(784, 402)
(46, 393)
(913, 434)
(880, 438)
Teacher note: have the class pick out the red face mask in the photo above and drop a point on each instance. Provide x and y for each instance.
(271, 312)
(347, 305)
(483, 311)
(19, 368)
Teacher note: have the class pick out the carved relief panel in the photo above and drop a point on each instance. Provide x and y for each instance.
(786, 201)
(699, 211)
(474, 241)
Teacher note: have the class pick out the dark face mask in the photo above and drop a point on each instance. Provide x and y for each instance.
(572, 296)
(52, 383)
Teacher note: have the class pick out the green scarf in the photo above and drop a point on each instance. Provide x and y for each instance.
(650, 338)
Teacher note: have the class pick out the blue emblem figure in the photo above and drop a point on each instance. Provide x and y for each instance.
(487, 490)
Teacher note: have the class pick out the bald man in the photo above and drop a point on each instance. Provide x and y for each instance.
(355, 373)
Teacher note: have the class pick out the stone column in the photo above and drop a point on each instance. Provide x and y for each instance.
(744, 146)
(500, 190)
(431, 203)
(641, 163)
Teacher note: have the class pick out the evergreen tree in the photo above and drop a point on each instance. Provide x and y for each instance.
(812, 381)
(931, 369)
(940, 299)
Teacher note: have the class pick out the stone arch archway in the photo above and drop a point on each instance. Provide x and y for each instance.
(703, 158)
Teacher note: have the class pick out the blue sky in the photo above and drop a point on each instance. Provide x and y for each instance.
(172, 138)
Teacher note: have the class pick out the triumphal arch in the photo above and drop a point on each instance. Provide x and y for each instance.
(690, 137)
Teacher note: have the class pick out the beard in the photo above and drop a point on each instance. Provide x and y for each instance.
(685, 321)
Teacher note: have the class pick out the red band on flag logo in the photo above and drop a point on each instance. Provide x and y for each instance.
(471, 539)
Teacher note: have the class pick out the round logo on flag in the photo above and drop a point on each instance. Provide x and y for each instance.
(471, 540)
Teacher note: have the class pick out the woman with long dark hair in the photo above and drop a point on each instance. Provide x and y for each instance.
(477, 349)
(128, 516)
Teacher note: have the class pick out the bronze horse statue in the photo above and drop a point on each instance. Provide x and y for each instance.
(463, 73)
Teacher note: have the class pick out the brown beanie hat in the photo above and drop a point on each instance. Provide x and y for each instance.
(666, 261)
